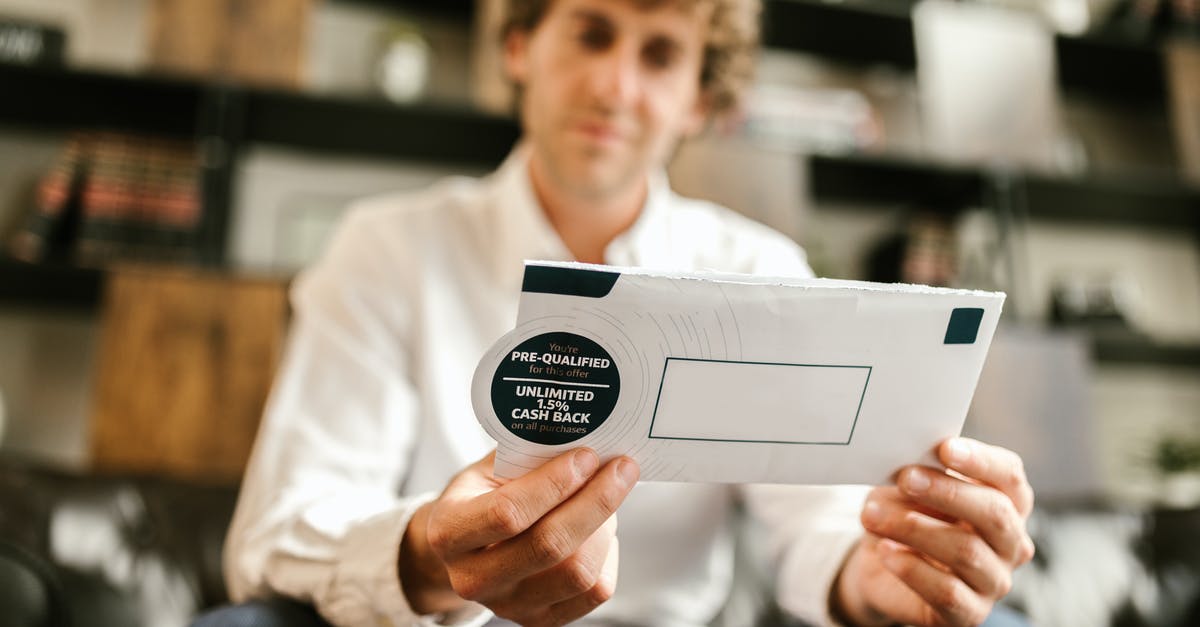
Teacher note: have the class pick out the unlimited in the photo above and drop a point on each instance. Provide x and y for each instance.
(537, 391)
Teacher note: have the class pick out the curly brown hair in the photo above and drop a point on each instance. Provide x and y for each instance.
(728, 53)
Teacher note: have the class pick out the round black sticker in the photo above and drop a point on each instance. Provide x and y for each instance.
(555, 388)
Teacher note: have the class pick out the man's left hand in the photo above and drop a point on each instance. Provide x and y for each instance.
(941, 545)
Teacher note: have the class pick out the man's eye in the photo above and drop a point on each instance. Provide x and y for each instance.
(595, 38)
(659, 55)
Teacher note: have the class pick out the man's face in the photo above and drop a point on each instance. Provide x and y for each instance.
(608, 89)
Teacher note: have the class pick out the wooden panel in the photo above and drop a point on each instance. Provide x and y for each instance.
(267, 41)
(1183, 63)
(186, 36)
(256, 41)
(186, 362)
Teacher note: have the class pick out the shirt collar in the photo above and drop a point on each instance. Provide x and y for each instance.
(521, 227)
(524, 232)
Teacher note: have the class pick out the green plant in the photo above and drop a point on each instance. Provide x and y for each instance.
(1175, 455)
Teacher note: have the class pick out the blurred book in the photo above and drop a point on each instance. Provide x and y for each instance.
(116, 196)
(987, 84)
(261, 42)
(30, 43)
(812, 119)
(1183, 76)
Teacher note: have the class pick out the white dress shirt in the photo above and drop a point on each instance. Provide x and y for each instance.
(371, 415)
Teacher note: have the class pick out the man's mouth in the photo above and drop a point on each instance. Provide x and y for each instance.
(600, 132)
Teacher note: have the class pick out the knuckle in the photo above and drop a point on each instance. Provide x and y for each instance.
(1000, 515)
(467, 586)
(979, 614)
(563, 482)
(1003, 585)
(609, 500)
(929, 617)
(950, 598)
(549, 545)
(600, 592)
(904, 569)
(577, 576)
(1028, 550)
(949, 490)
(504, 515)
(969, 555)
(439, 538)
(906, 526)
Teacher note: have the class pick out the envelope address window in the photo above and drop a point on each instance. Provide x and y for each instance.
(742, 401)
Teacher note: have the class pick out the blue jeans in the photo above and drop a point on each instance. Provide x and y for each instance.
(283, 613)
(268, 613)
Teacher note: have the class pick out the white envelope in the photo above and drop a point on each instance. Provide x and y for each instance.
(732, 378)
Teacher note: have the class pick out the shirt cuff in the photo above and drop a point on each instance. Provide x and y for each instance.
(807, 574)
(372, 551)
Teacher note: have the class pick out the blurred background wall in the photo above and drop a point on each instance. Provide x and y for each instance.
(1049, 149)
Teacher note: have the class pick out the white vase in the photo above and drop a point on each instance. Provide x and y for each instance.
(1181, 490)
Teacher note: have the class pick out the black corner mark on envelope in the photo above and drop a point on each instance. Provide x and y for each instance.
(569, 281)
(964, 325)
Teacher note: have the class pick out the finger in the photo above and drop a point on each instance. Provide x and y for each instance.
(986, 509)
(571, 577)
(560, 533)
(894, 493)
(991, 465)
(947, 599)
(510, 509)
(579, 606)
(961, 551)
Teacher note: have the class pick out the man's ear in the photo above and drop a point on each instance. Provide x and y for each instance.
(516, 55)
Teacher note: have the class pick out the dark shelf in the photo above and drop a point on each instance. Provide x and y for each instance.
(893, 180)
(1112, 68)
(50, 285)
(58, 98)
(1167, 204)
(1142, 351)
(857, 32)
(369, 127)
(1145, 202)
(463, 10)
(871, 32)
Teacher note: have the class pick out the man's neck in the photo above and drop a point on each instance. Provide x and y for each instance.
(587, 224)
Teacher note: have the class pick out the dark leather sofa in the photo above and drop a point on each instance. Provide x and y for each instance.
(96, 549)
(108, 550)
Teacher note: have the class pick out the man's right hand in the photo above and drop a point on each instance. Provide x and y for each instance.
(538, 550)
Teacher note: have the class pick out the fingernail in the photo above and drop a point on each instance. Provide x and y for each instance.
(628, 471)
(958, 451)
(915, 481)
(872, 513)
(586, 462)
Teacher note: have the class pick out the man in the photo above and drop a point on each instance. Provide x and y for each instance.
(361, 498)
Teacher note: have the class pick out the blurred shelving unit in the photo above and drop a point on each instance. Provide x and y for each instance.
(226, 119)
(1102, 67)
(1105, 66)
(55, 286)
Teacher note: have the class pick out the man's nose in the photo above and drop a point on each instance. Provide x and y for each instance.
(616, 79)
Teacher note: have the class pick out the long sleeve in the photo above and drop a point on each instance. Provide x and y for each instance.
(810, 531)
(318, 518)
